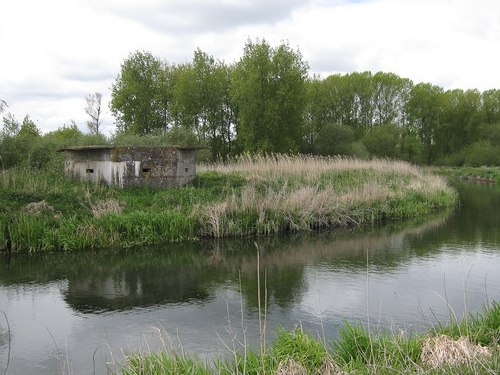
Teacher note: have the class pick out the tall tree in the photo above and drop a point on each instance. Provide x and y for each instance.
(202, 102)
(317, 112)
(136, 96)
(93, 109)
(390, 95)
(269, 91)
(491, 106)
(424, 108)
(460, 120)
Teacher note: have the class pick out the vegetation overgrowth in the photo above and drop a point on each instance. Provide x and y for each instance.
(469, 346)
(253, 196)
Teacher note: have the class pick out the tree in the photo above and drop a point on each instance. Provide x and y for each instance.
(201, 102)
(3, 105)
(317, 113)
(137, 96)
(390, 95)
(93, 109)
(383, 140)
(17, 141)
(491, 106)
(335, 139)
(460, 120)
(10, 126)
(269, 91)
(424, 108)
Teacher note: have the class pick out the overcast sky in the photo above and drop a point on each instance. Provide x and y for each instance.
(55, 52)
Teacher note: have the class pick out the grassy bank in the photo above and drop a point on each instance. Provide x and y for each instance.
(467, 347)
(486, 174)
(42, 211)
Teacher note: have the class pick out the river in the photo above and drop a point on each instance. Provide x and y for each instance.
(81, 312)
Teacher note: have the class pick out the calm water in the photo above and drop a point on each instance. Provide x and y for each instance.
(81, 312)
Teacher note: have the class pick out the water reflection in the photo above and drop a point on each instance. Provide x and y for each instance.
(192, 273)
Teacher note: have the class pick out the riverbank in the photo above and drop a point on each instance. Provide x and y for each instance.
(253, 196)
(479, 174)
(470, 346)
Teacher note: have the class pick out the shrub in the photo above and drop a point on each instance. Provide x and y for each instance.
(334, 139)
(482, 153)
(383, 140)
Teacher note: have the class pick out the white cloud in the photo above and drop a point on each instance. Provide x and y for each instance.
(57, 51)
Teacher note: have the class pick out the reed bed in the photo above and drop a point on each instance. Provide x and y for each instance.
(301, 193)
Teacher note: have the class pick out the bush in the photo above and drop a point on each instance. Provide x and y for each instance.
(358, 149)
(456, 159)
(383, 140)
(482, 153)
(334, 139)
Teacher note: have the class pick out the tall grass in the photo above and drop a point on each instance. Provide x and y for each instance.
(355, 351)
(254, 195)
(300, 193)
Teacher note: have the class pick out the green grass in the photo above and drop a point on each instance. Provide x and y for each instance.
(483, 328)
(485, 173)
(355, 351)
(259, 196)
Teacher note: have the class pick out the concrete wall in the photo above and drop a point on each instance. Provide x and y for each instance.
(132, 166)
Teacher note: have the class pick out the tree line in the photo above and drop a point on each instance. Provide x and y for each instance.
(267, 101)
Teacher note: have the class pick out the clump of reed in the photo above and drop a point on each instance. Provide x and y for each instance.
(301, 193)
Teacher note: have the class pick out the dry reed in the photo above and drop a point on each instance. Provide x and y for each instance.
(442, 351)
(302, 192)
(103, 207)
(38, 208)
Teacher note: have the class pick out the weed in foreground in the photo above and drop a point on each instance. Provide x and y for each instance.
(354, 352)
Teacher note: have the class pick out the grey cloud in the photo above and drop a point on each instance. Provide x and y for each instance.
(89, 74)
(42, 90)
(85, 71)
(31, 91)
(199, 15)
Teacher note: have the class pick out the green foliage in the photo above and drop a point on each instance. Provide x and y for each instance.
(4, 225)
(269, 92)
(482, 153)
(490, 111)
(390, 95)
(488, 173)
(411, 148)
(17, 140)
(424, 109)
(299, 346)
(354, 344)
(136, 96)
(163, 363)
(335, 139)
(22, 144)
(383, 140)
(459, 121)
(266, 103)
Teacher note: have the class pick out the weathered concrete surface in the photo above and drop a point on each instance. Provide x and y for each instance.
(163, 167)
